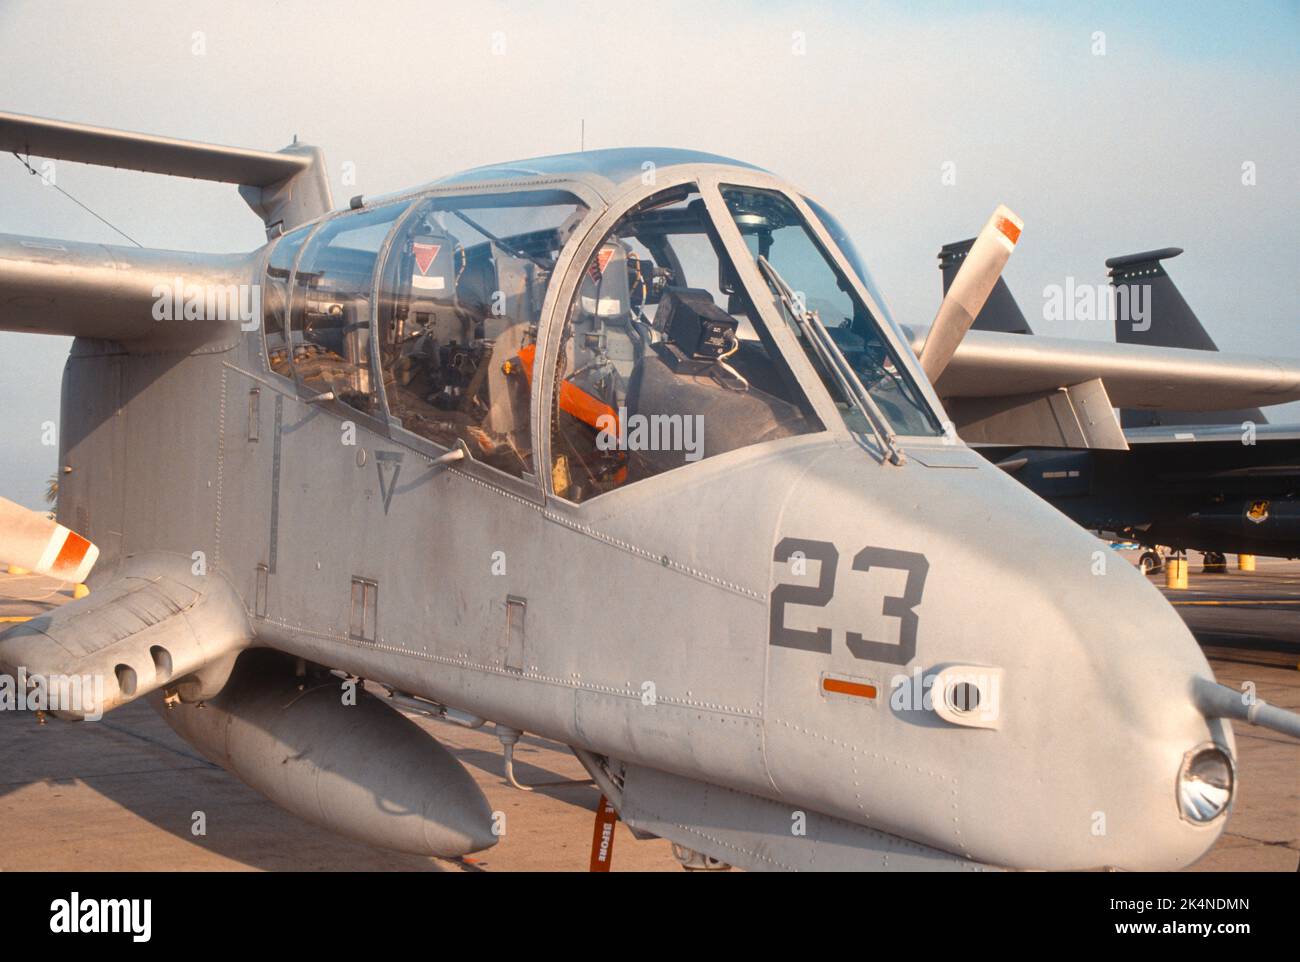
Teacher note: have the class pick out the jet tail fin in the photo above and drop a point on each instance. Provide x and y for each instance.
(1152, 311)
(1000, 312)
(285, 189)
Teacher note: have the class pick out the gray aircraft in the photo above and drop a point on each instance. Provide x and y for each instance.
(1215, 481)
(620, 448)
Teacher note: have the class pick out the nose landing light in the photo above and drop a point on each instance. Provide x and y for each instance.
(1205, 784)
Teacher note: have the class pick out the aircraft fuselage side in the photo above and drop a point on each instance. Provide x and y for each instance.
(637, 625)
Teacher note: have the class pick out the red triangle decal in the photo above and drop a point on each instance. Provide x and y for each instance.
(425, 254)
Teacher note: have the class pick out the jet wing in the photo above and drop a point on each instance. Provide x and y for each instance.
(1209, 434)
(990, 364)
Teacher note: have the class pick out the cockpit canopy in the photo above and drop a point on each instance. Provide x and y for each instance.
(650, 331)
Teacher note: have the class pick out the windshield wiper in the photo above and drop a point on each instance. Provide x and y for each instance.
(850, 384)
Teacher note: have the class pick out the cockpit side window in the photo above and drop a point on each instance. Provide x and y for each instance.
(329, 320)
(663, 359)
(275, 300)
(461, 295)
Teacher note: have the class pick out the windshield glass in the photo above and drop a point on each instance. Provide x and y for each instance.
(845, 243)
(664, 359)
(774, 230)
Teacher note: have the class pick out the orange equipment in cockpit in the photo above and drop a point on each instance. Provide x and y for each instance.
(573, 399)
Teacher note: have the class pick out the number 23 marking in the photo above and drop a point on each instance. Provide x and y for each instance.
(819, 595)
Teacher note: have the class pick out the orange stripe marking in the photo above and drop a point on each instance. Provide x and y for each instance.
(1009, 229)
(71, 554)
(840, 687)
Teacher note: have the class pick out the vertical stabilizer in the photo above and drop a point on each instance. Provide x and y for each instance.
(1167, 321)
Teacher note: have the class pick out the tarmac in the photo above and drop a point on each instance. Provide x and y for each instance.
(122, 794)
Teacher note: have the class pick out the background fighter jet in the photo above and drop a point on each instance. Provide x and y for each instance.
(1212, 480)
(618, 448)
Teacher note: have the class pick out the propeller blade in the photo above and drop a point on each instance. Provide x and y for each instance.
(30, 540)
(970, 289)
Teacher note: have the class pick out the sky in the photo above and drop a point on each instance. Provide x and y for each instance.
(1108, 127)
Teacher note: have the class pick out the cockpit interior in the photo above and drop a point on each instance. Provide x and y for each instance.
(664, 359)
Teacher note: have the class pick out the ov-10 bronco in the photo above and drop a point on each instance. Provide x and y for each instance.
(621, 448)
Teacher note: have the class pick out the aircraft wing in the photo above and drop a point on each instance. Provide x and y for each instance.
(285, 188)
(95, 290)
(990, 364)
(159, 155)
(1209, 434)
(113, 293)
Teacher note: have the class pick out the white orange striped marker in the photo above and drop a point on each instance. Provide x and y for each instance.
(30, 540)
(979, 271)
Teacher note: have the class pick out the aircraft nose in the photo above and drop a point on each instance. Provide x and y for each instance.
(1093, 751)
(1125, 749)
(1100, 747)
